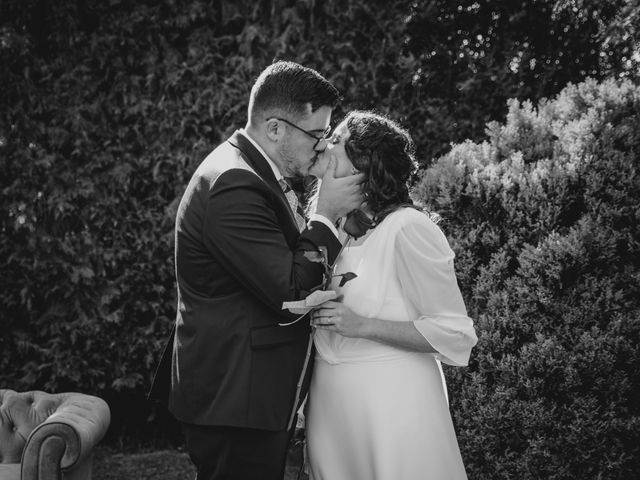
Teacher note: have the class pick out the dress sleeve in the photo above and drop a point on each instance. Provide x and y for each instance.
(425, 268)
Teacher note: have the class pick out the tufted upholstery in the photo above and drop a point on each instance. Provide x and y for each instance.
(49, 435)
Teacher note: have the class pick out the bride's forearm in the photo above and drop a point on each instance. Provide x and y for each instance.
(398, 334)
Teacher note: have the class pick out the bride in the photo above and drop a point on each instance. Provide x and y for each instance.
(377, 407)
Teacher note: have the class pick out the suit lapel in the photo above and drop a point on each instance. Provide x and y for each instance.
(260, 165)
(255, 159)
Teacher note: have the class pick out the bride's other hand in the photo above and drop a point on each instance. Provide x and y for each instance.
(336, 317)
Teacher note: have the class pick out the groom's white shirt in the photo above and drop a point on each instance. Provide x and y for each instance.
(276, 172)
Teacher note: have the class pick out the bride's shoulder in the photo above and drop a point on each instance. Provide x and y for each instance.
(408, 216)
(415, 226)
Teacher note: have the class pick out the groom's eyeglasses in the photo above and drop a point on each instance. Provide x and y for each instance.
(325, 134)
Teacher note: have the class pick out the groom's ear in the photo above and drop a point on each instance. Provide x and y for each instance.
(275, 130)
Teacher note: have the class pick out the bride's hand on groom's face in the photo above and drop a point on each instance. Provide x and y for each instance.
(339, 195)
(336, 317)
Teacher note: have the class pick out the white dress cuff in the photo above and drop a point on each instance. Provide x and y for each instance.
(452, 336)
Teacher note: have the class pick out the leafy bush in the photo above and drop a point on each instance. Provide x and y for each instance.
(470, 57)
(544, 216)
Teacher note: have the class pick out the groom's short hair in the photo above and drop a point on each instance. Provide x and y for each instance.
(287, 88)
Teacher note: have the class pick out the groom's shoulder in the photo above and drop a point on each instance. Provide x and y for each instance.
(223, 158)
(224, 162)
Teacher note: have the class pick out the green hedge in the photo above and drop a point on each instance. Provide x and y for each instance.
(545, 219)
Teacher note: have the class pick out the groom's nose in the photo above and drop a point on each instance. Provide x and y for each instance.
(322, 145)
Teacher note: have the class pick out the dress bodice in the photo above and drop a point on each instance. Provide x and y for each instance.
(405, 273)
(374, 293)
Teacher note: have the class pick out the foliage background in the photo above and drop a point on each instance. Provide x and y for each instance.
(544, 216)
(106, 108)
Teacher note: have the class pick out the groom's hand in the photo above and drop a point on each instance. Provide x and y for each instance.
(338, 196)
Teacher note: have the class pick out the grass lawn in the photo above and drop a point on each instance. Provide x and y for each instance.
(164, 464)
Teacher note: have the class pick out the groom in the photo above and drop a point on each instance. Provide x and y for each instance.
(231, 375)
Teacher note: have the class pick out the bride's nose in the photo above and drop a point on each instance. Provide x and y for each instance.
(329, 146)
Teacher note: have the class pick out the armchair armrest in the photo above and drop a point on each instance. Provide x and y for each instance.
(65, 440)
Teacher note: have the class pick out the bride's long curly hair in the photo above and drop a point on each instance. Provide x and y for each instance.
(385, 152)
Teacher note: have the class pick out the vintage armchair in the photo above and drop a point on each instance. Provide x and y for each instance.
(49, 435)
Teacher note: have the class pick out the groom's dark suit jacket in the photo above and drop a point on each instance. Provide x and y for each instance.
(238, 256)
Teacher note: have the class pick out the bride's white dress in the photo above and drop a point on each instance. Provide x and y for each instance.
(376, 412)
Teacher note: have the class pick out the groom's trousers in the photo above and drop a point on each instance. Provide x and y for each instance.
(232, 453)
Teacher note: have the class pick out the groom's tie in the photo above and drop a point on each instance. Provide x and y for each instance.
(292, 198)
